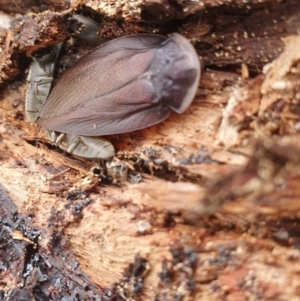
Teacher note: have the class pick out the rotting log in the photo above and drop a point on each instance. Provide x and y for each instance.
(216, 216)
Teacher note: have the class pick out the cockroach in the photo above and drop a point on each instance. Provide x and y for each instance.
(123, 85)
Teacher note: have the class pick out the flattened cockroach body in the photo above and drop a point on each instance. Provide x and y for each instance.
(123, 85)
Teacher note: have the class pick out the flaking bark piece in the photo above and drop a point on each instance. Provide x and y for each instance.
(279, 107)
(262, 187)
(266, 185)
(34, 31)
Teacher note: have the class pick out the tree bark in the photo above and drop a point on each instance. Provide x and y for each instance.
(216, 216)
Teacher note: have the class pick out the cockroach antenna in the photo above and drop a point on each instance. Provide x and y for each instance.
(199, 14)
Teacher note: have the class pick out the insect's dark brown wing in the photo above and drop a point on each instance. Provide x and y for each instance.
(107, 115)
(124, 85)
(107, 85)
(102, 71)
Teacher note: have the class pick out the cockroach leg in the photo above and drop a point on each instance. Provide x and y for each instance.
(57, 139)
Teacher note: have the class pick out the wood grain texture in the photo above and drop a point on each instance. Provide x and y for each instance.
(216, 216)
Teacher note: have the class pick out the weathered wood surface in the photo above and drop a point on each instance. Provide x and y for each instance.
(216, 215)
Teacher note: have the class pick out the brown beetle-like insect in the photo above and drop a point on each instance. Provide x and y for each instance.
(123, 85)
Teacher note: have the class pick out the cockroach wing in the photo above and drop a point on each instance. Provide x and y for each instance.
(124, 85)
